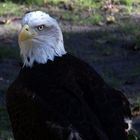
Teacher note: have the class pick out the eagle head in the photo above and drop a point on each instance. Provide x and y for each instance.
(40, 38)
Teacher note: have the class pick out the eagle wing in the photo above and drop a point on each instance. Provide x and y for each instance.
(110, 105)
(64, 118)
(24, 113)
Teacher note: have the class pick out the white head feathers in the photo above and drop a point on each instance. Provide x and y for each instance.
(46, 41)
(38, 18)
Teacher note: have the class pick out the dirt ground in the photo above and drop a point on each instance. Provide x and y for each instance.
(118, 63)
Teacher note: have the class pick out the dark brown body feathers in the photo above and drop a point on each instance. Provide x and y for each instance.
(65, 99)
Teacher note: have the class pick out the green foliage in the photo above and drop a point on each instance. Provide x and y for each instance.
(9, 8)
(41, 2)
(77, 19)
(97, 19)
(128, 3)
(55, 2)
(86, 3)
(93, 19)
(38, 2)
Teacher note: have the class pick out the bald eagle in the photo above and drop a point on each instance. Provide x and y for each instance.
(57, 96)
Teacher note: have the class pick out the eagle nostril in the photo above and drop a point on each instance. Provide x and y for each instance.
(27, 29)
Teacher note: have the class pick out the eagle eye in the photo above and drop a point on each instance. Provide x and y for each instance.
(40, 27)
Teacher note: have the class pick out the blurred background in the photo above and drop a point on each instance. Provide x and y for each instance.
(104, 33)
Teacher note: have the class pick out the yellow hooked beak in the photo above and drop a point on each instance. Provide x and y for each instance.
(25, 33)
